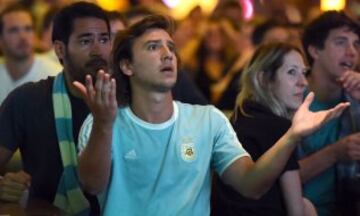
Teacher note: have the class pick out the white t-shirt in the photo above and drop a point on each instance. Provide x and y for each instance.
(41, 69)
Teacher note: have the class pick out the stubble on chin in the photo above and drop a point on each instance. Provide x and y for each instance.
(79, 73)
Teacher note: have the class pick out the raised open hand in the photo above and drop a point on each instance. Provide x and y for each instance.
(306, 122)
(101, 98)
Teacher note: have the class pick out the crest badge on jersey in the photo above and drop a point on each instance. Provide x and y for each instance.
(188, 151)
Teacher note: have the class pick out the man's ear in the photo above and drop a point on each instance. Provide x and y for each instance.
(126, 67)
(59, 48)
(313, 51)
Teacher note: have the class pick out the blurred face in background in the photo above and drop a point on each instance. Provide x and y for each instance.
(214, 38)
(276, 34)
(116, 25)
(18, 37)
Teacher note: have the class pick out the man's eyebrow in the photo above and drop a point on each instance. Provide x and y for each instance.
(84, 35)
(168, 42)
(151, 41)
(340, 37)
(88, 34)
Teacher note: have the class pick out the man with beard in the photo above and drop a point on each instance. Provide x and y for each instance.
(20, 64)
(43, 119)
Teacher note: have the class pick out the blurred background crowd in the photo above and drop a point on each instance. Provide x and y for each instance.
(214, 38)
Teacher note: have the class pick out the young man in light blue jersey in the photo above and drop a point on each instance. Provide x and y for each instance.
(327, 165)
(153, 155)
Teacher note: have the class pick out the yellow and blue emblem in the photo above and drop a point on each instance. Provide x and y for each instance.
(188, 151)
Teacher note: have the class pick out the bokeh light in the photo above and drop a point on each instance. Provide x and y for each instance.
(332, 5)
(171, 3)
(248, 9)
(113, 4)
(180, 9)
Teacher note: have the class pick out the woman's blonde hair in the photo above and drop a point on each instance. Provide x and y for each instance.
(260, 74)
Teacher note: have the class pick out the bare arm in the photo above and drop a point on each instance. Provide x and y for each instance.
(95, 160)
(291, 189)
(323, 159)
(254, 179)
(347, 148)
(309, 208)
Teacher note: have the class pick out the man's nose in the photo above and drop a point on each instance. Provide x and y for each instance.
(167, 53)
(95, 49)
(351, 50)
(24, 33)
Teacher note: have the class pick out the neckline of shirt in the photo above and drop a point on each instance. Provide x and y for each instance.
(153, 126)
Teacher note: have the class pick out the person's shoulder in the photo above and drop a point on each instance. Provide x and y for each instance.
(32, 90)
(38, 85)
(44, 63)
(194, 107)
(258, 116)
(2, 65)
(43, 59)
(29, 97)
(203, 111)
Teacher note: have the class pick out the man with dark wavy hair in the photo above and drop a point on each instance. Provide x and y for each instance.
(331, 43)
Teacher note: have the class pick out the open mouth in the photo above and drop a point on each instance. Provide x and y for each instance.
(167, 69)
(347, 65)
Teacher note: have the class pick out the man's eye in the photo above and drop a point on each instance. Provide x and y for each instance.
(84, 41)
(104, 40)
(172, 48)
(152, 47)
(340, 42)
(13, 30)
(357, 45)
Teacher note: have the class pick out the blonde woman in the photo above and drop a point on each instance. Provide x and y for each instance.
(273, 87)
